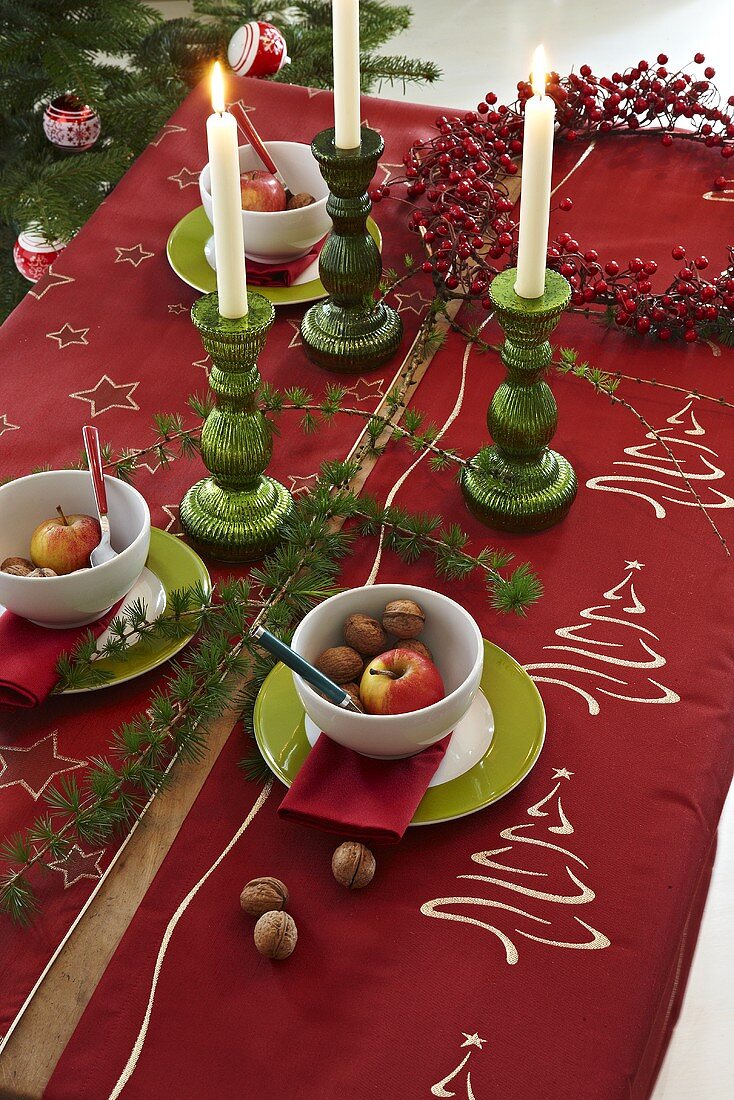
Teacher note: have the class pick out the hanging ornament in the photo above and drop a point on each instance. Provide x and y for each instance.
(257, 49)
(33, 254)
(70, 124)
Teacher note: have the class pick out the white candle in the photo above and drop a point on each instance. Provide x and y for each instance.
(224, 181)
(345, 39)
(537, 163)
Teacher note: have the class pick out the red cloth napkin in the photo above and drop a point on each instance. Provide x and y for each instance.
(341, 791)
(28, 656)
(284, 274)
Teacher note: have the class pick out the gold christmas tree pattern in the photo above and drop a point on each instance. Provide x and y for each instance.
(549, 857)
(605, 641)
(460, 1073)
(725, 195)
(653, 476)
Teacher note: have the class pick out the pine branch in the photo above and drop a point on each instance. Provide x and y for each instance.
(174, 726)
(721, 401)
(603, 383)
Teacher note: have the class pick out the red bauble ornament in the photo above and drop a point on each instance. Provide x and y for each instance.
(70, 124)
(257, 49)
(33, 254)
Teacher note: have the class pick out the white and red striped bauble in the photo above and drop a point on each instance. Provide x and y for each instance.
(33, 254)
(70, 124)
(257, 49)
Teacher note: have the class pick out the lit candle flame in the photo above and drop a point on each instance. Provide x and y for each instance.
(538, 73)
(217, 88)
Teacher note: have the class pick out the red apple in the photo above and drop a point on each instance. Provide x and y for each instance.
(400, 681)
(261, 191)
(64, 543)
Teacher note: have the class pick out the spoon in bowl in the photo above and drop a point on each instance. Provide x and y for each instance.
(257, 143)
(103, 552)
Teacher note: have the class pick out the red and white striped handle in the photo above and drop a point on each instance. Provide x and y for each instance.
(243, 121)
(94, 458)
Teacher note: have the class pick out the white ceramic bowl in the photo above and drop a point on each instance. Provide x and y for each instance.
(81, 597)
(280, 235)
(450, 633)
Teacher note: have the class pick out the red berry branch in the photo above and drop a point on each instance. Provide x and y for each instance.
(464, 215)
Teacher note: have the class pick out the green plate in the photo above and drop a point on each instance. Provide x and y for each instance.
(185, 251)
(175, 565)
(519, 733)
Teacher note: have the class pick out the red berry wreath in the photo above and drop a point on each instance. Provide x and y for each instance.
(464, 214)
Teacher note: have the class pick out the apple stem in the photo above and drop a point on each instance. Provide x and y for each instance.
(60, 510)
(384, 672)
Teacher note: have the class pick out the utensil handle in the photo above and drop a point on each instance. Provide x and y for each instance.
(258, 144)
(94, 458)
(294, 661)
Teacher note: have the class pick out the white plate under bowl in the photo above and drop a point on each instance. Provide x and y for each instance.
(469, 741)
(148, 588)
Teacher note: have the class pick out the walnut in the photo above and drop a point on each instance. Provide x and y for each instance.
(42, 573)
(295, 202)
(276, 935)
(414, 646)
(341, 664)
(17, 567)
(262, 895)
(352, 691)
(353, 865)
(404, 618)
(365, 635)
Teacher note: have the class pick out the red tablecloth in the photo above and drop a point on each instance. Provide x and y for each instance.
(107, 339)
(558, 974)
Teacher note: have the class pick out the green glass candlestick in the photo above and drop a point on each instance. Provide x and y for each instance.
(519, 484)
(237, 514)
(350, 332)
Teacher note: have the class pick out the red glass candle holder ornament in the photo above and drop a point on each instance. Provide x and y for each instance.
(257, 49)
(70, 124)
(33, 254)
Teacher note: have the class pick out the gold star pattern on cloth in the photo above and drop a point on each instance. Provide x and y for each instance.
(377, 129)
(169, 128)
(173, 526)
(78, 864)
(185, 178)
(53, 279)
(133, 255)
(387, 171)
(562, 773)
(366, 391)
(203, 364)
(634, 564)
(301, 483)
(412, 303)
(179, 307)
(472, 1040)
(296, 341)
(240, 103)
(67, 335)
(33, 767)
(108, 395)
(6, 426)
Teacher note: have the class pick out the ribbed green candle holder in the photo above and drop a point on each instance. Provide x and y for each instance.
(519, 484)
(237, 514)
(350, 332)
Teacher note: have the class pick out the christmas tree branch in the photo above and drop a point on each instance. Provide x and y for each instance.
(721, 401)
(112, 796)
(188, 609)
(607, 384)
